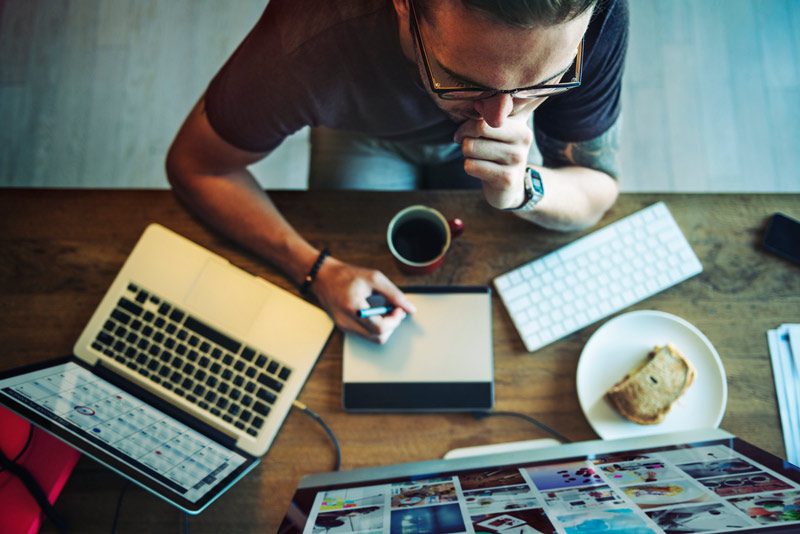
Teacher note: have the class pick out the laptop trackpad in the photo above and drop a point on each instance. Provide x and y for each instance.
(226, 297)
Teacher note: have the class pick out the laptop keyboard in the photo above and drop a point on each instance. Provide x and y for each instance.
(169, 347)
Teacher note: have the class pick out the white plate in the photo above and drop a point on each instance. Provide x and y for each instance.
(620, 345)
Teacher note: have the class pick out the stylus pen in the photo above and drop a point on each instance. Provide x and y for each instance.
(376, 310)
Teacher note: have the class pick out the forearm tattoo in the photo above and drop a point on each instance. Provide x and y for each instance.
(600, 153)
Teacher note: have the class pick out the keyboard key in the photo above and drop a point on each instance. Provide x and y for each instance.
(105, 338)
(176, 377)
(247, 400)
(239, 365)
(200, 374)
(239, 425)
(216, 353)
(141, 358)
(136, 325)
(223, 388)
(170, 343)
(163, 309)
(245, 416)
(238, 381)
(211, 396)
(148, 316)
(181, 349)
(234, 409)
(205, 347)
(252, 432)
(227, 418)
(164, 371)
(203, 362)
(257, 422)
(187, 383)
(284, 374)
(261, 408)
(261, 361)
(188, 369)
(171, 329)
(227, 359)
(109, 325)
(194, 341)
(159, 337)
(160, 322)
(133, 288)
(121, 316)
(212, 334)
(270, 382)
(216, 411)
(156, 379)
(248, 354)
(251, 372)
(212, 381)
(182, 335)
(227, 374)
(130, 307)
(250, 387)
(215, 368)
(272, 367)
(199, 389)
(177, 316)
(153, 365)
(192, 355)
(141, 297)
(265, 395)
(235, 394)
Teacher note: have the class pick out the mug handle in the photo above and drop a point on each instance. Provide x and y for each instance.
(456, 227)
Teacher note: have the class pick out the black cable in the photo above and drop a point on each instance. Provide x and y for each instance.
(119, 506)
(311, 413)
(528, 418)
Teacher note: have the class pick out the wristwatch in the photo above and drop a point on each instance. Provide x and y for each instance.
(534, 191)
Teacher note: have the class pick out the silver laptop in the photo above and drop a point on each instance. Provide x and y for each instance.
(696, 481)
(187, 359)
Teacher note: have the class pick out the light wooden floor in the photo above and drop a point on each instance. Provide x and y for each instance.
(92, 92)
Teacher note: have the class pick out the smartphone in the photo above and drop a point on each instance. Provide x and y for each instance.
(783, 237)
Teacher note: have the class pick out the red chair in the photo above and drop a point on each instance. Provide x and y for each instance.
(48, 460)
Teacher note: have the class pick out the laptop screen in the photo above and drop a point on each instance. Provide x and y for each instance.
(721, 485)
(129, 435)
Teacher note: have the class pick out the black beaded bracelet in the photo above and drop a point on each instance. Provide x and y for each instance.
(312, 274)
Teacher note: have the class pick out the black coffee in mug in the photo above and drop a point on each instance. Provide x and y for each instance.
(419, 240)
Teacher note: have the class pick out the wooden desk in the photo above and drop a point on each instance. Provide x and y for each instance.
(61, 250)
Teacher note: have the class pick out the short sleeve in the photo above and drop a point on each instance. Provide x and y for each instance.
(588, 111)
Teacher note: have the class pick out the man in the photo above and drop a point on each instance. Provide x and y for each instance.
(406, 93)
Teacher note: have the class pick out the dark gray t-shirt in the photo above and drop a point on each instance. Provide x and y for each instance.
(340, 64)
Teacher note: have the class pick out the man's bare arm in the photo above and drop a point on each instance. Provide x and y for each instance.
(210, 176)
(579, 180)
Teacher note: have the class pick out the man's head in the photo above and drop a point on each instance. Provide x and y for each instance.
(498, 44)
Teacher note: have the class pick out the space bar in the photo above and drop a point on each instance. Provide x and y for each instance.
(217, 337)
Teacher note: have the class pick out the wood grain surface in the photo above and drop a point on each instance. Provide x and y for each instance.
(62, 248)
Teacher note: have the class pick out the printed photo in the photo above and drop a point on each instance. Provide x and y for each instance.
(352, 498)
(421, 495)
(495, 500)
(621, 474)
(358, 520)
(744, 484)
(698, 454)
(518, 522)
(569, 475)
(617, 521)
(705, 518)
(732, 466)
(666, 494)
(491, 479)
(444, 519)
(617, 457)
(577, 500)
(769, 509)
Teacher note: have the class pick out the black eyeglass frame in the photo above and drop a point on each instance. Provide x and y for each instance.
(457, 92)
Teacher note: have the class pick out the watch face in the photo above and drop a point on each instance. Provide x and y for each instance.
(536, 181)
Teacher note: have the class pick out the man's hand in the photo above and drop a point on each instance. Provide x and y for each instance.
(342, 289)
(497, 157)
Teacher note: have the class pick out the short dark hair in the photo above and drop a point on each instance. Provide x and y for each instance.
(521, 13)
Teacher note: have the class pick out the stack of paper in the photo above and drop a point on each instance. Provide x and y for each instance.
(784, 350)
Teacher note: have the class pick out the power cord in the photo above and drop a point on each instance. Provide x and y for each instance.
(538, 424)
(311, 413)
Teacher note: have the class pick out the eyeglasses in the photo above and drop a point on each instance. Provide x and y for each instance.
(465, 92)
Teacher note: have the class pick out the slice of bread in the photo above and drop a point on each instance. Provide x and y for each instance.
(646, 394)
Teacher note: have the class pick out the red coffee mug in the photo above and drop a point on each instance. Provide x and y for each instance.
(419, 238)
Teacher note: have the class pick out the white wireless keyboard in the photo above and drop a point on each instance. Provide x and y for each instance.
(597, 275)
